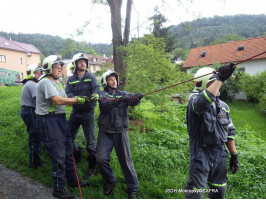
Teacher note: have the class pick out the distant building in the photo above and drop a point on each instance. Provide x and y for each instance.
(17, 56)
(96, 62)
(68, 64)
(231, 52)
(178, 61)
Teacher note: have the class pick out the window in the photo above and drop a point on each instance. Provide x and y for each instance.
(242, 69)
(241, 48)
(2, 58)
(6, 43)
(203, 54)
(22, 75)
(20, 61)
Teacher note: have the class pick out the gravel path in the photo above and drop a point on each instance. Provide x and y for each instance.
(15, 186)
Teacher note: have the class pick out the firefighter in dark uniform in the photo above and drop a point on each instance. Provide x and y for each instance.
(83, 83)
(210, 128)
(53, 126)
(113, 124)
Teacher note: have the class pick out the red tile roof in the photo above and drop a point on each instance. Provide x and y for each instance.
(227, 52)
(17, 46)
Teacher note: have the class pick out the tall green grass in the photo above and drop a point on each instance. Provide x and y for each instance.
(159, 148)
(245, 113)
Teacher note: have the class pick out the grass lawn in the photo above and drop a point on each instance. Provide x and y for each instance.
(243, 112)
(159, 149)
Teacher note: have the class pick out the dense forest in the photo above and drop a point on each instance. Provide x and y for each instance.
(204, 31)
(48, 44)
(187, 35)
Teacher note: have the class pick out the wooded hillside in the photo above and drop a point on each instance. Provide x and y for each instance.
(200, 32)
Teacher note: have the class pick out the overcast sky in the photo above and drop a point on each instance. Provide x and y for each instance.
(65, 17)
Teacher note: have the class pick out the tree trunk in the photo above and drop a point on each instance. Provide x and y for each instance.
(115, 7)
(127, 22)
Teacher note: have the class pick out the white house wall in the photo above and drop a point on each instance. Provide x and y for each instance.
(253, 67)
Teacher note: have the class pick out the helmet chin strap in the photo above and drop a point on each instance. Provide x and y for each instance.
(112, 88)
(81, 69)
(53, 76)
(36, 80)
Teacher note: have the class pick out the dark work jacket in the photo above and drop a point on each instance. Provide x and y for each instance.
(208, 125)
(114, 113)
(86, 86)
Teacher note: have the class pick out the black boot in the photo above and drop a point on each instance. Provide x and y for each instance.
(90, 173)
(77, 153)
(132, 195)
(108, 188)
(74, 183)
(63, 193)
(92, 167)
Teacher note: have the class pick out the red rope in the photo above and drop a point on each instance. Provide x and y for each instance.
(189, 79)
(178, 83)
(250, 58)
(77, 176)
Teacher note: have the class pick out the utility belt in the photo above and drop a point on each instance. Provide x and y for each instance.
(52, 114)
(28, 107)
(207, 145)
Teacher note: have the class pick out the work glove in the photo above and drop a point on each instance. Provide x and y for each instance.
(125, 98)
(138, 96)
(82, 100)
(234, 165)
(94, 97)
(225, 71)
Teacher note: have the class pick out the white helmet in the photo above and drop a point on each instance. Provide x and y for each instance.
(106, 75)
(49, 61)
(77, 57)
(31, 69)
(201, 82)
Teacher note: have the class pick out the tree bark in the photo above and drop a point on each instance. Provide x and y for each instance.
(115, 7)
(127, 22)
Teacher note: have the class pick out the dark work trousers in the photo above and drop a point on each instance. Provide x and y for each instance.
(208, 166)
(56, 137)
(87, 121)
(29, 117)
(105, 144)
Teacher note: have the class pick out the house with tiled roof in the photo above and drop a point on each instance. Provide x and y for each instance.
(230, 52)
(96, 62)
(17, 56)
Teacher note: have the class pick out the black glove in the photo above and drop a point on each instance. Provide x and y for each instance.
(234, 165)
(138, 96)
(125, 98)
(225, 71)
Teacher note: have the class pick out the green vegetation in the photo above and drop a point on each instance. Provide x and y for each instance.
(159, 148)
(202, 32)
(254, 87)
(246, 114)
(147, 60)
